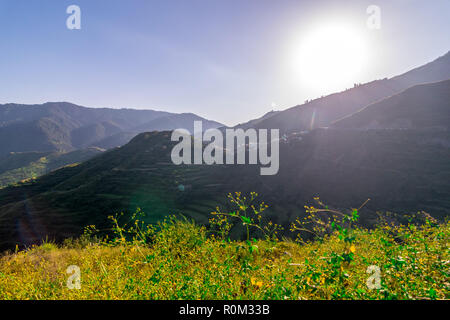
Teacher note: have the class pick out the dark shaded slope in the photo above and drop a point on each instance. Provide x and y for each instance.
(434, 71)
(322, 111)
(420, 107)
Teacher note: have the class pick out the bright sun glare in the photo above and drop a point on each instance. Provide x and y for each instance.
(330, 58)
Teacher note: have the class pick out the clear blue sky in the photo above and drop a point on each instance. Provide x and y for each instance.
(226, 60)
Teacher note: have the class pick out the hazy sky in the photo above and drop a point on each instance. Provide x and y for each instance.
(227, 60)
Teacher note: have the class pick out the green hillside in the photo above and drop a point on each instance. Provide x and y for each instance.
(400, 170)
(17, 167)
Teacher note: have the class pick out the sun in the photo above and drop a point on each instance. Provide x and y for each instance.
(330, 58)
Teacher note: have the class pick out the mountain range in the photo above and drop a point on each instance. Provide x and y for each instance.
(321, 112)
(386, 140)
(63, 127)
(422, 106)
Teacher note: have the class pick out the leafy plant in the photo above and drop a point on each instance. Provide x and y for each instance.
(248, 214)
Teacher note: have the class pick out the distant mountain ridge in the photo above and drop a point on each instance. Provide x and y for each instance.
(63, 126)
(421, 107)
(321, 112)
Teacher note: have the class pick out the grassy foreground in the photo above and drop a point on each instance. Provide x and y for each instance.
(180, 260)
